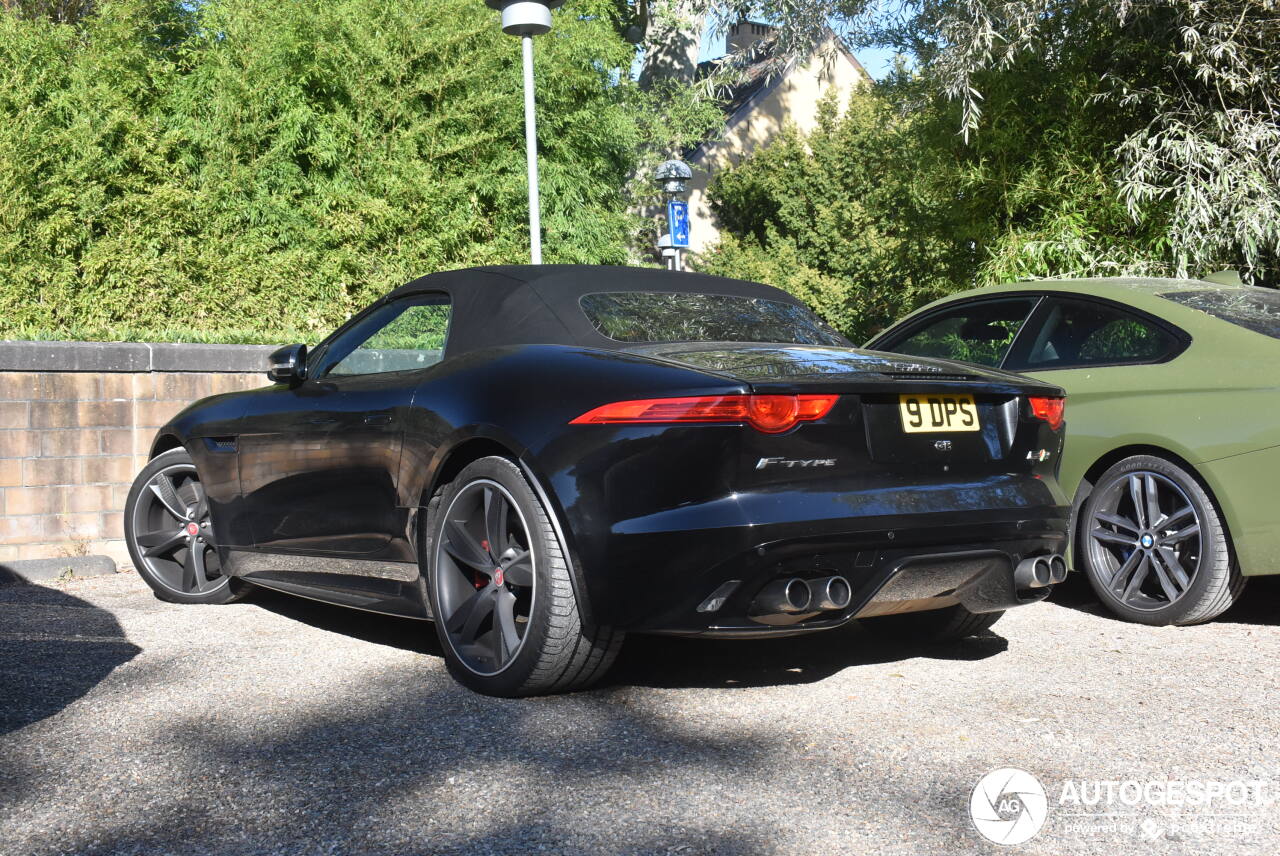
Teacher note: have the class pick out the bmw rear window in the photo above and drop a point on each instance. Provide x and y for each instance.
(663, 316)
(1256, 309)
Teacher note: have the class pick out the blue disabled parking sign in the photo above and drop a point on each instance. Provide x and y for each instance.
(678, 222)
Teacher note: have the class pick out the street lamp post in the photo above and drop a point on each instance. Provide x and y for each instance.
(526, 19)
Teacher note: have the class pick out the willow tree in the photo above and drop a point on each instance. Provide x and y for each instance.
(1191, 92)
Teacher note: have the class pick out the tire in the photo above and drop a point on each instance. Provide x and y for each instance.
(1154, 546)
(501, 592)
(948, 624)
(180, 563)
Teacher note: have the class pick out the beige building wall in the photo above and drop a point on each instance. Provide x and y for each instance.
(70, 446)
(792, 97)
(77, 420)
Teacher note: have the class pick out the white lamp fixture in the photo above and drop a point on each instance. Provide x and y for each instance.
(526, 19)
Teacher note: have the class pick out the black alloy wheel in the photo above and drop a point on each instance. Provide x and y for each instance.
(501, 591)
(485, 584)
(1154, 546)
(170, 537)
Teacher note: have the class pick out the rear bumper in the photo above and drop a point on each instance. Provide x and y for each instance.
(926, 561)
(981, 579)
(1244, 486)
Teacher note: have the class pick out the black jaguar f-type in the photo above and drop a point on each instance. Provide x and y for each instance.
(542, 459)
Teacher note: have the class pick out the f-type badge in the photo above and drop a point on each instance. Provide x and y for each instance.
(942, 445)
(791, 464)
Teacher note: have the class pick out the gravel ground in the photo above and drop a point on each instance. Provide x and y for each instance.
(283, 726)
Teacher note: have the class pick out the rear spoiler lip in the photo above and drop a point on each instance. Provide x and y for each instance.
(762, 363)
(893, 386)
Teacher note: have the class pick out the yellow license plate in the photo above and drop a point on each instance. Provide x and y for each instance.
(921, 413)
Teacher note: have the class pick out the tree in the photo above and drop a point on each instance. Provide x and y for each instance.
(248, 170)
(1030, 139)
(670, 33)
(1189, 89)
(886, 206)
(840, 218)
(58, 11)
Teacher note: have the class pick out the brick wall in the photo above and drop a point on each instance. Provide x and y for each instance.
(76, 424)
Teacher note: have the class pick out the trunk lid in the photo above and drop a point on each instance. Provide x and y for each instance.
(769, 367)
(866, 432)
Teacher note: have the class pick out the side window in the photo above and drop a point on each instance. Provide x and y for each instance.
(1082, 333)
(401, 336)
(978, 332)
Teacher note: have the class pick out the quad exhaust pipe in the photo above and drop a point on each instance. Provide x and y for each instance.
(785, 596)
(1040, 571)
(796, 595)
(830, 593)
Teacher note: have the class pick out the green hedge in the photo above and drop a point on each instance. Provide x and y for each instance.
(253, 172)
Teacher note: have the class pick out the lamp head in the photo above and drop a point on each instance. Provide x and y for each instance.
(672, 175)
(525, 17)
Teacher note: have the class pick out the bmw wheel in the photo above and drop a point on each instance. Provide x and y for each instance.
(500, 590)
(170, 536)
(1154, 546)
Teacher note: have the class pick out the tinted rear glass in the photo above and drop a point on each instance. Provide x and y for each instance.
(979, 332)
(1255, 309)
(656, 316)
(1083, 333)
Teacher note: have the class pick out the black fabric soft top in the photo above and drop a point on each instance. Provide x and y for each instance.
(538, 304)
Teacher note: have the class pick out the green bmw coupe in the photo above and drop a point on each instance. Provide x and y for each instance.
(1173, 415)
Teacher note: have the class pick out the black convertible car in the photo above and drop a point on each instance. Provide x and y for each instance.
(542, 459)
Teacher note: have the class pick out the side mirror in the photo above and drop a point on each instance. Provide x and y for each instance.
(288, 365)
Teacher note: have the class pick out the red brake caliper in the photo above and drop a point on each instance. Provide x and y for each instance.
(479, 580)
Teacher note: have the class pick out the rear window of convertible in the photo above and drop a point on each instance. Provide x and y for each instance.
(664, 316)
(1254, 309)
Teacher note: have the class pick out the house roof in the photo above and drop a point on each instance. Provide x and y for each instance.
(755, 76)
(761, 77)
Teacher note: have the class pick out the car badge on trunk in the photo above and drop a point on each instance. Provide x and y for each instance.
(915, 367)
(792, 463)
(942, 445)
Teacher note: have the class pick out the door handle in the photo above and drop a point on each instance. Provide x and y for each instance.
(378, 417)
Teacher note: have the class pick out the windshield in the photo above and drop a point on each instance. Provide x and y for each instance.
(1256, 309)
(655, 316)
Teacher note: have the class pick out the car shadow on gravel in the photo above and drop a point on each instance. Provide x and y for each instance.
(1259, 604)
(675, 662)
(408, 634)
(666, 661)
(1077, 594)
(54, 648)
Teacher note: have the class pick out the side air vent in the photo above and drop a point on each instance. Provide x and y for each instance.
(220, 444)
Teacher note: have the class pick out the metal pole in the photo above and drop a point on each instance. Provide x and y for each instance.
(531, 153)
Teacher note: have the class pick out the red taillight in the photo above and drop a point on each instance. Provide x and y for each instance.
(1050, 409)
(771, 414)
